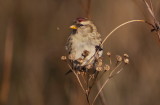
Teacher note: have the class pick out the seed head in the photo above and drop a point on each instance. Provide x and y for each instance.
(119, 58)
(63, 58)
(107, 67)
(99, 62)
(98, 68)
(108, 54)
(71, 57)
(126, 55)
(80, 60)
(126, 61)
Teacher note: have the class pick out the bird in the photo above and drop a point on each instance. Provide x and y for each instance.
(83, 44)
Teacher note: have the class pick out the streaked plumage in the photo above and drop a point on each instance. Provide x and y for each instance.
(84, 37)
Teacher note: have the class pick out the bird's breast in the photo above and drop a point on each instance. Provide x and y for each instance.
(81, 45)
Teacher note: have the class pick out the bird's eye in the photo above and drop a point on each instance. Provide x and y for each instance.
(79, 25)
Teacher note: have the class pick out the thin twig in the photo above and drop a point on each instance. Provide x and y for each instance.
(87, 97)
(94, 81)
(88, 9)
(155, 25)
(77, 78)
(125, 23)
(110, 61)
(131, 21)
(86, 93)
(102, 74)
(150, 8)
(93, 57)
(106, 81)
(83, 78)
(101, 95)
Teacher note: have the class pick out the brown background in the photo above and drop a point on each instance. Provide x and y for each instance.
(40, 30)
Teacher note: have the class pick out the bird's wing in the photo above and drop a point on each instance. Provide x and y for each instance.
(69, 44)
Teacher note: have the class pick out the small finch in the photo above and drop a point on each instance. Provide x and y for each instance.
(84, 42)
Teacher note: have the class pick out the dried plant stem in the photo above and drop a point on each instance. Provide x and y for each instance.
(106, 81)
(125, 23)
(110, 61)
(101, 94)
(88, 9)
(102, 75)
(94, 81)
(87, 97)
(82, 75)
(79, 81)
(111, 74)
(131, 21)
(8, 55)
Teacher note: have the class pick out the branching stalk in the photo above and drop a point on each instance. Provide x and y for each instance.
(131, 21)
(106, 81)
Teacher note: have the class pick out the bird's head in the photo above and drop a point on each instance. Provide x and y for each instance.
(83, 25)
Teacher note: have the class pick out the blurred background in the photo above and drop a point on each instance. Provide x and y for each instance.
(33, 34)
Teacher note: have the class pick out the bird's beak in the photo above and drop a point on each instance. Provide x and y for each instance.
(73, 27)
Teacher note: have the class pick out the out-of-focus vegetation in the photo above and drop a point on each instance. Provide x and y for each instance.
(33, 34)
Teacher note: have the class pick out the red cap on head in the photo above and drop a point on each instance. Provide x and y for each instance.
(80, 19)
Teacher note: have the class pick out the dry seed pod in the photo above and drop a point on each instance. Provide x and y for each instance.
(126, 55)
(107, 67)
(126, 61)
(63, 58)
(99, 62)
(89, 66)
(92, 76)
(119, 58)
(99, 59)
(80, 60)
(108, 54)
(99, 68)
(71, 57)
